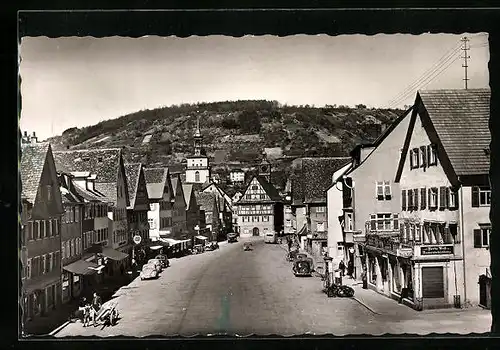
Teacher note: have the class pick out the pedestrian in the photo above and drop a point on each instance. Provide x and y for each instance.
(289, 242)
(350, 268)
(342, 267)
(96, 306)
(81, 308)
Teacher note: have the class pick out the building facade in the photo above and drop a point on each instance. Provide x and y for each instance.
(160, 195)
(41, 215)
(192, 211)
(179, 219)
(237, 176)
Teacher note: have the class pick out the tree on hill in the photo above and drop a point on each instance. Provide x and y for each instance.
(249, 121)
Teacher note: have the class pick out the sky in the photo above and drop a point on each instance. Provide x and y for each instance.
(75, 82)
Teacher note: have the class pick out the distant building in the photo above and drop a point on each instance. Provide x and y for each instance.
(192, 210)
(237, 176)
(161, 196)
(179, 223)
(289, 223)
(209, 205)
(42, 210)
(260, 209)
(198, 167)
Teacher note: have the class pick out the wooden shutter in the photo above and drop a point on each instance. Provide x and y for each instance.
(415, 198)
(477, 239)
(428, 155)
(423, 198)
(396, 222)
(475, 196)
(442, 197)
(373, 222)
(403, 200)
(429, 194)
(432, 282)
(424, 156)
(417, 158)
(411, 159)
(410, 199)
(447, 198)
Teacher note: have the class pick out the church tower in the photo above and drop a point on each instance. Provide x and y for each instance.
(265, 167)
(198, 167)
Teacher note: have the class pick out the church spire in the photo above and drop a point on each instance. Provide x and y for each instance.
(197, 138)
(197, 133)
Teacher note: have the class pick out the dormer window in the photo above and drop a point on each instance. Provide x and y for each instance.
(99, 159)
(414, 158)
(86, 159)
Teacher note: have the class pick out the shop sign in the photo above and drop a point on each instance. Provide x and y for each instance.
(137, 239)
(76, 278)
(436, 250)
(65, 284)
(405, 252)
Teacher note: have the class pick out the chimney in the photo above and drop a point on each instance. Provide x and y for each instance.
(25, 134)
(34, 138)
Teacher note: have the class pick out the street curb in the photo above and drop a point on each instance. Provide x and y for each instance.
(58, 329)
(366, 306)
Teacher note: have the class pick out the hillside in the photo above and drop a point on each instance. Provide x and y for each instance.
(234, 133)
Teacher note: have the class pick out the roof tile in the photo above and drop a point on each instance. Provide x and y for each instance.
(32, 162)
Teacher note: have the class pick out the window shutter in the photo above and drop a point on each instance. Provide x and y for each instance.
(411, 159)
(428, 155)
(415, 198)
(447, 235)
(403, 199)
(396, 222)
(373, 222)
(417, 158)
(477, 239)
(475, 196)
(447, 198)
(442, 197)
(424, 156)
(429, 195)
(423, 198)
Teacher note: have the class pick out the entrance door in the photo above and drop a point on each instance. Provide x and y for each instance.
(255, 231)
(432, 282)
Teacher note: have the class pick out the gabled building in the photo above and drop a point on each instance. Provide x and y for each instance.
(192, 210)
(369, 190)
(137, 210)
(110, 181)
(234, 199)
(260, 209)
(443, 175)
(161, 196)
(179, 222)
(198, 164)
(338, 249)
(71, 238)
(237, 176)
(209, 206)
(225, 208)
(41, 214)
(310, 180)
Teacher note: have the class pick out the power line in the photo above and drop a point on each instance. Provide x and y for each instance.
(424, 80)
(429, 71)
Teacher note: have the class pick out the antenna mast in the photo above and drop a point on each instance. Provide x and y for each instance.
(465, 49)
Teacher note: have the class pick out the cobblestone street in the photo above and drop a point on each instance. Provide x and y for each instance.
(236, 292)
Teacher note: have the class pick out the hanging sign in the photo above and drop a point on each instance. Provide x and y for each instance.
(137, 239)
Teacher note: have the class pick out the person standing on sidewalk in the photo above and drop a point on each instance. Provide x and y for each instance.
(96, 306)
(342, 268)
(350, 268)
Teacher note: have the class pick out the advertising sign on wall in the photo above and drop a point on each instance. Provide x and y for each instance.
(436, 250)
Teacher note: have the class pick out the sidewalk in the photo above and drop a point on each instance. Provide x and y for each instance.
(43, 325)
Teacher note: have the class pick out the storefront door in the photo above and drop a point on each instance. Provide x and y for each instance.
(255, 231)
(432, 282)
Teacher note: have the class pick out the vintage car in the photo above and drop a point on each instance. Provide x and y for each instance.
(301, 256)
(303, 267)
(211, 246)
(156, 263)
(163, 260)
(247, 246)
(232, 237)
(270, 237)
(148, 272)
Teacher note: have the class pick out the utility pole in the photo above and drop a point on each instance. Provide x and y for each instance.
(465, 49)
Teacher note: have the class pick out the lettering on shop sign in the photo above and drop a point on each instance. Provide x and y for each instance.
(436, 250)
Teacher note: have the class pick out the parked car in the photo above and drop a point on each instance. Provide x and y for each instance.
(232, 237)
(247, 246)
(163, 260)
(156, 263)
(301, 256)
(211, 246)
(270, 237)
(148, 272)
(303, 267)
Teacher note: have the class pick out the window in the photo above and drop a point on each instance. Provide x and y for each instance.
(443, 197)
(265, 218)
(320, 209)
(36, 230)
(432, 155)
(349, 222)
(255, 187)
(418, 235)
(433, 198)
(453, 228)
(197, 176)
(320, 226)
(484, 196)
(415, 199)
(452, 200)
(44, 264)
(42, 229)
(403, 200)
(50, 263)
(410, 200)
(384, 222)
(48, 228)
(423, 198)
(414, 158)
(482, 237)
(49, 193)
(383, 189)
(29, 228)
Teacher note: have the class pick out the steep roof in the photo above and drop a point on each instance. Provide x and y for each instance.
(32, 162)
(91, 196)
(175, 181)
(269, 188)
(187, 189)
(132, 171)
(206, 201)
(311, 178)
(102, 162)
(155, 181)
(461, 121)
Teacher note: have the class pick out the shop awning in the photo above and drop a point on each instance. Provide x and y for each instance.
(156, 247)
(81, 267)
(114, 254)
(203, 238)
